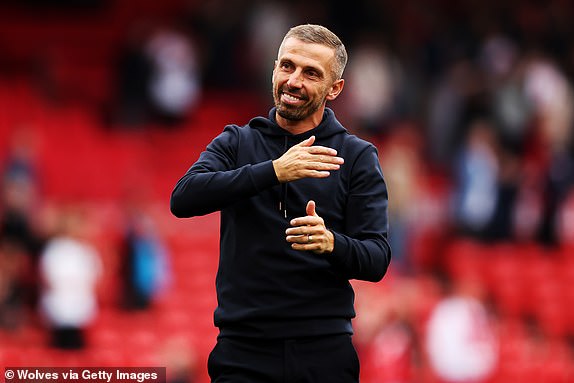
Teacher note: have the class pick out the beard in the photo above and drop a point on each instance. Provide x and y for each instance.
(296, 113)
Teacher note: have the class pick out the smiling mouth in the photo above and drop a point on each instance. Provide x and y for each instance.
(289, 98)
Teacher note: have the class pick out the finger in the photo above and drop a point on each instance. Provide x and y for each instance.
(314, 173)
(306, 243)
(315, 247)
(308, 142)
(305, 239)
(327, 158)
(317, 174)
(305, 225)
(300, 239)
(317, 149)
(298, 231)
(310, 209)
(326, 166)
(321, 166)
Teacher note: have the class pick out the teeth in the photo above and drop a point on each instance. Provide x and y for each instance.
(289, 97)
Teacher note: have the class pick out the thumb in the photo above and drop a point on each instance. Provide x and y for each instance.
(308, 142)
(311, 208)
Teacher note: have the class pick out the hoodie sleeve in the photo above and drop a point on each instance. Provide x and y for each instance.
(214, 181)
(362, 251)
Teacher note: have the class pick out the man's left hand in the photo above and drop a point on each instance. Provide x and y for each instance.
(309, 233)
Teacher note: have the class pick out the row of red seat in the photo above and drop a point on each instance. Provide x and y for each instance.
(522, 280)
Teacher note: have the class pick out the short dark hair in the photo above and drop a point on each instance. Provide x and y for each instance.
(318, 34)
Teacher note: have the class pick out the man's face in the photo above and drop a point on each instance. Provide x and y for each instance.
(302, 79)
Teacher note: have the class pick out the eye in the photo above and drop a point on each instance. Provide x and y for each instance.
(311, 73)
(285, 65)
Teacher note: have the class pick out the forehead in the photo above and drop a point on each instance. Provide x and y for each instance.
(309, 54)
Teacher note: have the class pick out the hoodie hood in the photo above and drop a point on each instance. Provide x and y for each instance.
(328, 127)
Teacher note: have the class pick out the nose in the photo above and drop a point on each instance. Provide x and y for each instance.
(295, 79)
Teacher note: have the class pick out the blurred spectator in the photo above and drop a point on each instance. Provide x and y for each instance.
(457, 99)
(552, 97)
(220, 26)
(20, 192)
(174, 85)
(20, 162)
(528, 212)
(20, 240)
(402, 163)
(511, 108)
(70, 268)
(374, 78)
(145, 270)
(158, 77)
(484, 200)
(460, 339)
(133, 73)
(419, 218)
(12, 288)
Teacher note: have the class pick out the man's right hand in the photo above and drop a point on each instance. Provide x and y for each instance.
(306, 161)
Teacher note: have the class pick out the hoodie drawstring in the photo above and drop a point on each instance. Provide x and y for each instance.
(283, 200)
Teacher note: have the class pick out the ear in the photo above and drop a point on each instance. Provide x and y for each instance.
(336, 89)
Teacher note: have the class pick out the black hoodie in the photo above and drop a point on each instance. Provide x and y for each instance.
(265, 289)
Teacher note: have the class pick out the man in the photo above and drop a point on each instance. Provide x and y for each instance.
(303, 210)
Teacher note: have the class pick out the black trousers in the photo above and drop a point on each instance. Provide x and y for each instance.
(327, 359)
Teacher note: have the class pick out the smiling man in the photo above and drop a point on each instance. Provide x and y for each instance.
(303, 211)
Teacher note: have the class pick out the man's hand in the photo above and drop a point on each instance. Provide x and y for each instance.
(306, 161)
(309, 233)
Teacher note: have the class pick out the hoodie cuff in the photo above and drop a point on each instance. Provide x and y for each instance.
(340, 250)
(263, 175)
